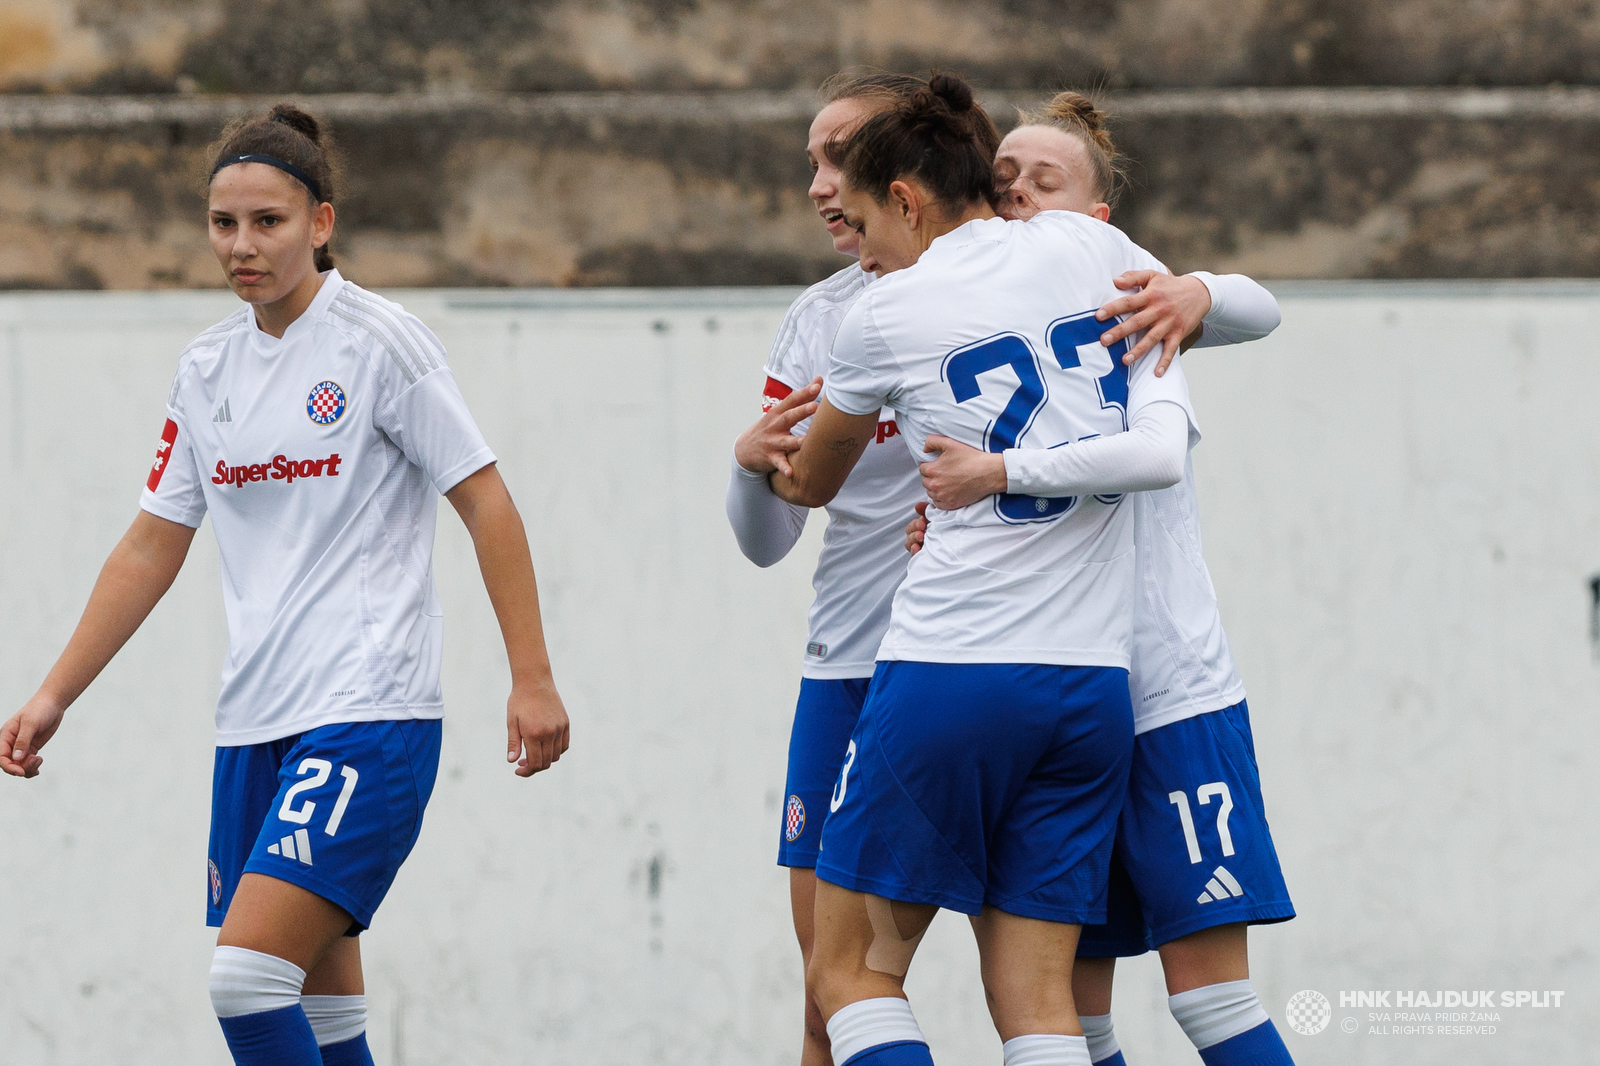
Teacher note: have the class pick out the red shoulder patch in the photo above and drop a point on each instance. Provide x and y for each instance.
(169, 436)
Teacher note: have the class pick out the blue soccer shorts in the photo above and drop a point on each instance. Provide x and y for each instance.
(334, 810)
(973, 785)
(824, 718)
(1193, 848)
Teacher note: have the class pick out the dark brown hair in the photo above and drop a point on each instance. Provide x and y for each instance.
(1076, 114)
(295, 137)
(937, 134)
(871, 85)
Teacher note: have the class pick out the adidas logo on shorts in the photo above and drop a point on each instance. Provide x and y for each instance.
(1221, 886)
(293, 847)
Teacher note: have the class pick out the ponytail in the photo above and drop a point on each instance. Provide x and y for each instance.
(937, 134)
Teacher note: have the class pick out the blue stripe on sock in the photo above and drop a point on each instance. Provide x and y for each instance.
(895, 1053)
(352, 1052)
(272, 1038)
(1115, 1060)
(1261, 1046)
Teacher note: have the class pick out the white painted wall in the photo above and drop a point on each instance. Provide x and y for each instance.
(1400, 493)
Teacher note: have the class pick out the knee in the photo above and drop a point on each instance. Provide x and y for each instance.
(250, 982)
(816, 1025)
(826, 990)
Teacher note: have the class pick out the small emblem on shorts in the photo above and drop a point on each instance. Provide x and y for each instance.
(794, 819)
(816, 650)
(1221, 886)
(326, 403)
(297, 846)
(216, 882)
(1309, 1012)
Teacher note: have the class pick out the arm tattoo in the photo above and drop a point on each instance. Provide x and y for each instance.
(842, 447)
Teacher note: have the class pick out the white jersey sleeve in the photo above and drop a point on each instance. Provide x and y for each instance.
(1241, 310)
(765, 526)
(420, 408)
(862, 372)
(173, 490)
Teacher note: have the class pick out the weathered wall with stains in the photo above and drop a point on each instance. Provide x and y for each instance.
(531, 45)
(1399, 516)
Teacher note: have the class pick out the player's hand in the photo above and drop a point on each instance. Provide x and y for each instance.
(25, 733)
(1168, 309)
(917, 528)
(958, 475)
(536, 727)
(765, 446)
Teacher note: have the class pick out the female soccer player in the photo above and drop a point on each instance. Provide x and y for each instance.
(317, 426)
(1195, 879)
(989, 763)
(861, 563)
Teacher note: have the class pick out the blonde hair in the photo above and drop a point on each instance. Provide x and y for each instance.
(1076, 114)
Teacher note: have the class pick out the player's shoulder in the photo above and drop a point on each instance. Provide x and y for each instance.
(210, 345)
(808, 327)
(383, 328)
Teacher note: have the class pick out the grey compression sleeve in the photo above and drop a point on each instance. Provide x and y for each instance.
(765, 526)
(1241, 310)
(1151, 455)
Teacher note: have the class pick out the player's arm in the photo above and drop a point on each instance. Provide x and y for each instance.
(536, 719)
(138, 573)
(1179, 313)
(765, 526)
(1150, 455)
(827, 454)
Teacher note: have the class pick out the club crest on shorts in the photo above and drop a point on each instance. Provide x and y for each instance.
(794, 819)
(326, 403)
(216, 882)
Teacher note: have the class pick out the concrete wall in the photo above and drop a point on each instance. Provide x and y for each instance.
(1400, 510)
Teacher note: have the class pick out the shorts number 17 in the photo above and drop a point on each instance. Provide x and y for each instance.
(1204, 794)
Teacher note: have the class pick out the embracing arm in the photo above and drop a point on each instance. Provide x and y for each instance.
(827, 454)
(536, 720)
(1151, 455)
(1241, 310)
(138, 573)
(766, 526)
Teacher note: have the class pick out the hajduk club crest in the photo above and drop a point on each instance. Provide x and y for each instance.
(326, 403)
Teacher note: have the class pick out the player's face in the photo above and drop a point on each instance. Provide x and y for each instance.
(888, 234)
(1042, 168)
(841, 116)
(264, 230)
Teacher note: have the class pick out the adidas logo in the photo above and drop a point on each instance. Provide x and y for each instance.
(294, 847)
(1220, 887)
(224, 413)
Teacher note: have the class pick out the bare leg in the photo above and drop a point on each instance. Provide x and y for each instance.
(803, 901)
(839, 975)
(1208, 957)
(1091, 985)
(1027, 973)
(299, 926)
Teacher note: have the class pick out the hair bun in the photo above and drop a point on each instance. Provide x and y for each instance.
(955, 92)
(297, 120)
(1076, 107)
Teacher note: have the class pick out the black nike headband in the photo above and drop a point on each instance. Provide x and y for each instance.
(273, 161)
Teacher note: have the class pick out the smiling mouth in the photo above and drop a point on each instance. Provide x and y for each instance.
(832, 216)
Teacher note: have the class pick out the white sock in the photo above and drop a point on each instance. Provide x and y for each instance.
(335, 1019)
(1097, 1031)
(249, 982)
(1047, 1049)
(868, 1023)
(1217, 1012)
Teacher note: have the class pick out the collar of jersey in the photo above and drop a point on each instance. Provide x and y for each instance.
(332, 282)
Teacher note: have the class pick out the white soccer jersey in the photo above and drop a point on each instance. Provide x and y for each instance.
(320, 458)
(991, 339)
(863, 551)
(1182, 665)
